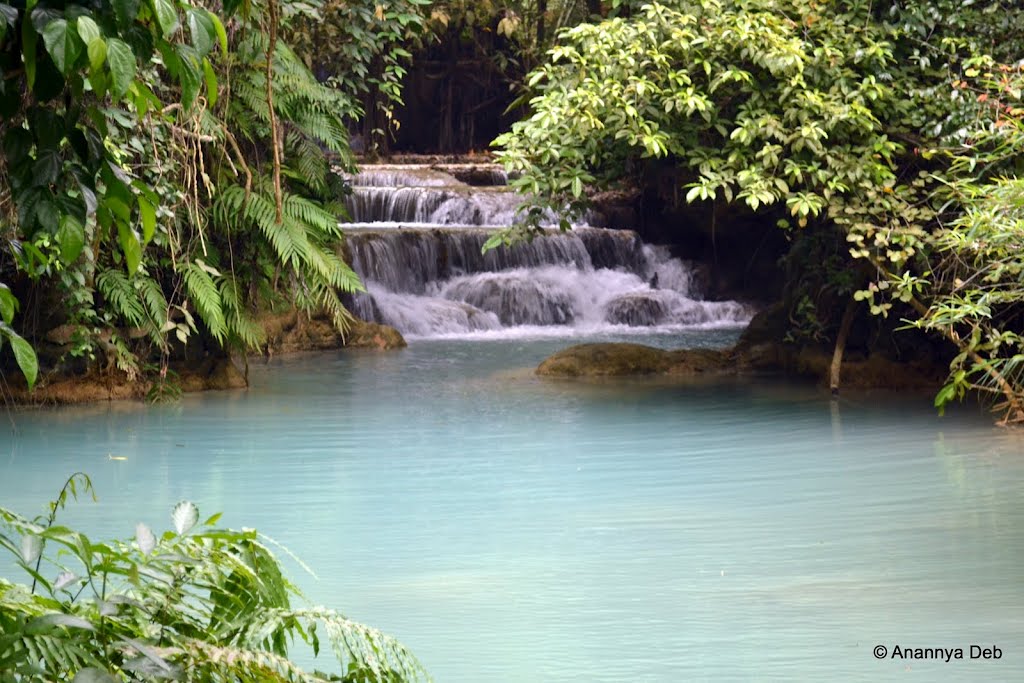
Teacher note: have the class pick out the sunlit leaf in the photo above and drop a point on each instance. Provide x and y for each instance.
(185, 516)
(145, 538)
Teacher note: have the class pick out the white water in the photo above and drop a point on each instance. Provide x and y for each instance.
(417, 244)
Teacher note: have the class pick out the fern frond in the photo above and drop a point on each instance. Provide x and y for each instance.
(308, 160)
(311, 214)
(232, 663)
(205, 296)
(124, 359)
(121, 296)
(239, 322)
(327, 299)
(351, 641)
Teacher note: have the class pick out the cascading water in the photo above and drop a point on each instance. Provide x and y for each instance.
(416, 243)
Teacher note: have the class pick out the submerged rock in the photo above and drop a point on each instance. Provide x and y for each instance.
(622, 359)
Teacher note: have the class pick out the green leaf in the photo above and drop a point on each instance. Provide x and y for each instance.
(97, 50)
(29, 40)
(222, 35)
(26, 357)
(125, 11)
(88, 30)
(122, 65)
(185, 516)
(166, 16)
(211, 82)
(202, 30)
(63, 44)
(131, 247)
(17, 145)
(8, 17)
(213, 519)
(44, 623)
(70, 237)
(188, 75)
(47, 167)
(8, 304)
(148, 214)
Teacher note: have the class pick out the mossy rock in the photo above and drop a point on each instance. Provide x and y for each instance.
(291, 332)
(364, 335)
(625, 360)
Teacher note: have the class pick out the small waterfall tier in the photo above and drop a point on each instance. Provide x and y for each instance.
(417, 244)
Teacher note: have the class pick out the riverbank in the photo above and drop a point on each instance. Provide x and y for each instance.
(285, 333)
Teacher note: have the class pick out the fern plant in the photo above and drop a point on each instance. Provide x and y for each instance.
(196, 603)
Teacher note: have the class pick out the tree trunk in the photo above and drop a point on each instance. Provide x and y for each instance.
(542, 9)
(841, 337)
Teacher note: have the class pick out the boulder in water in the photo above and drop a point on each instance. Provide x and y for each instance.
(365, 335)
(291, 332)
(622, 360)
(516, 298)
(642, 309)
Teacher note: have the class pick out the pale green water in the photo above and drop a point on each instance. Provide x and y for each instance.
(509, 529)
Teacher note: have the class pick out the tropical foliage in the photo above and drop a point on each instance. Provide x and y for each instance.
(165, 174)
(195, 603)
(893, 129)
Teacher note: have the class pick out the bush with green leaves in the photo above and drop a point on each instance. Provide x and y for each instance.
(165, 177)
(759, 101)
(843, 114)
(194, 603)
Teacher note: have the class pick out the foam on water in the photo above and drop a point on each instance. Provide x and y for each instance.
(418, 245)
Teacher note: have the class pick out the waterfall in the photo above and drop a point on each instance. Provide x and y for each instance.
(417, 244)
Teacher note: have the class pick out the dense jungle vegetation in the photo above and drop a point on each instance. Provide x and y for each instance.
(170, 169)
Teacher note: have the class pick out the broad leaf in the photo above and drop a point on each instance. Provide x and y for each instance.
(130, 246)
(8, 304)
(88, 30)
(122, 65)
(145, 538)
(8, 16)
(63, 44)
(222, 34)
(202, 30)
(31, 546)
(211, 82)
(185, 516)
(125, 12)
(17, 145)
(188, 75)
(166, 16)
(29, 41)
(26, 357)
(70, 237)
(64, 579)
(46, 168)
(97, 53)
(148, 215)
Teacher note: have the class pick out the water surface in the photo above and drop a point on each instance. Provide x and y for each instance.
(513, 529)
